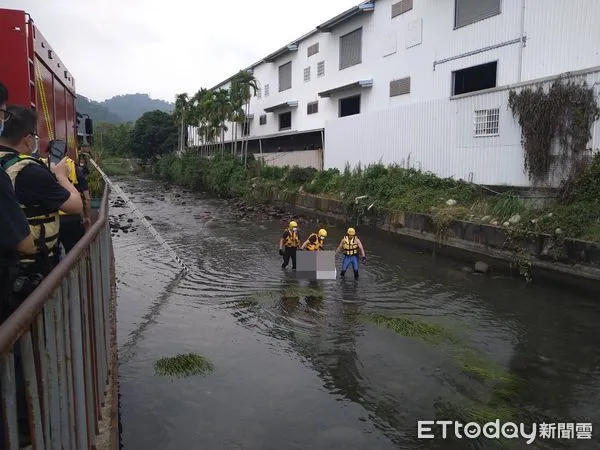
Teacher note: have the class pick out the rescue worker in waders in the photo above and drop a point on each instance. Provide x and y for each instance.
(352, 248)
(315, 241)
(288, 245)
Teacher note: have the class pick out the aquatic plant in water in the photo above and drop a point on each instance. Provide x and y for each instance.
(407, 327)
(183, 365)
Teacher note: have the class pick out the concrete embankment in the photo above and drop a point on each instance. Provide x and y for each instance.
(487, 248)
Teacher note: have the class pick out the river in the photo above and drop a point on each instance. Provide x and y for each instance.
(296, 364)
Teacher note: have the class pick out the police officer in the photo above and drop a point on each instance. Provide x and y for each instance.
(41, 192)
(15, 236)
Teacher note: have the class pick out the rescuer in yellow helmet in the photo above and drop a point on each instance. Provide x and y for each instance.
(288, 245)
(316, 241)
(352, 247)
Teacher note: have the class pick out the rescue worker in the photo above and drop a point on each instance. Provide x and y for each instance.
(72, 227)
(352, 247)
(315, 241)
(288, 245)
(41, 192)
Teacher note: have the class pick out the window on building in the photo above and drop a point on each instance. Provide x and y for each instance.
(312, 108)
(307, 74)
(351, 49)
(263, 119)
(476, 78)
(285, 121)
(312, 50)
(320, 68)
(285, 77)
(259, 93)
(486, 122)
(349, 106)
(266, 90)
(467, 12)
(246, 128)
(401, 7)
(400, 87)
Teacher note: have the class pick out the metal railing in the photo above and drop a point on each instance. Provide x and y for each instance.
(63, 337)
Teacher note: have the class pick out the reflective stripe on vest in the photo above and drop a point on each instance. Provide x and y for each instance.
(292, 239)
(44, 226)
(314, 246)
(350, 246)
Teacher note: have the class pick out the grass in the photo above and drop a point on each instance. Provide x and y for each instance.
(183, 365)
(394, 188)
(407, 327)
(116, 166)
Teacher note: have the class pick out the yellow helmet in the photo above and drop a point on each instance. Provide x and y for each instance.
(322, 233)
(293, 224)
(351, 232)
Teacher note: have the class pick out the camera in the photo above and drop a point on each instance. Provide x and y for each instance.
(26, 284)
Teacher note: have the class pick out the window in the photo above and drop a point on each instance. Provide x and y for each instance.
(285, 77)
(246, 128)
(285, 121)
(307, 74)
(486, 122)
(400, 87)
(312, 108)
(351, 49)
(474, 78)
(266, 90)
(401, 7)
(312, 50)
(258, 93)
(467, 12)
(321, 69)
(350, 106)
(262, 120)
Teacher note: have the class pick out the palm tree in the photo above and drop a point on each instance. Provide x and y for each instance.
(243, 87)
(182, 104)
(222, 112)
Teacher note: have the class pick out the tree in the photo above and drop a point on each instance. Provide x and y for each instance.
(155, 133)
(243, 87)
(113, 139)
(181, 114)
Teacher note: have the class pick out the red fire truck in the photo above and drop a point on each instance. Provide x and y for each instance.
(37, 78)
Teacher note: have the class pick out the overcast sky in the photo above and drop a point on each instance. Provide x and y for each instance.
(162, 48)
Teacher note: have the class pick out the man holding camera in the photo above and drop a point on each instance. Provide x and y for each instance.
(41, 192)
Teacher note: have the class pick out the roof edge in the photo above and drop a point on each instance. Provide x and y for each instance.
(340, 18)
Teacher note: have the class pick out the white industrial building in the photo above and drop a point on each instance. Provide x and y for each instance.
(421, 83)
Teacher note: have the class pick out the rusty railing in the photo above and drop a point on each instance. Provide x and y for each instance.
(63, 337)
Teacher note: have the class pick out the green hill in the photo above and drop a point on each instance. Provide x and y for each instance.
(121, 108)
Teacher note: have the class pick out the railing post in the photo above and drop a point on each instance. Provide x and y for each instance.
(9, 401)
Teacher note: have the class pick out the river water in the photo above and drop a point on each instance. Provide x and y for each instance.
(297, 366)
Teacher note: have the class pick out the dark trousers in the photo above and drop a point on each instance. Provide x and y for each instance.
(289, 252)
(71, 230)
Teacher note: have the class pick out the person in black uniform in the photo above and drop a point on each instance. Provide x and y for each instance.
(15, 236)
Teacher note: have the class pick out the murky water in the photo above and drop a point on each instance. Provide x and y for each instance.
(296, 364)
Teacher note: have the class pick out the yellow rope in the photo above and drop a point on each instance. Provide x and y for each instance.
(45, 110)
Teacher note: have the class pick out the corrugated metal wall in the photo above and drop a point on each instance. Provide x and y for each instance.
(438, 136)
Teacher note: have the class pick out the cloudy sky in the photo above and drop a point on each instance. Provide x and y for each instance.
(166, 47)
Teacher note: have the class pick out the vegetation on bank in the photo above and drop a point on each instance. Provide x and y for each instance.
(576, 213)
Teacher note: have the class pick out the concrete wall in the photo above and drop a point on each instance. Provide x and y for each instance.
(302, 158)
(565, 261)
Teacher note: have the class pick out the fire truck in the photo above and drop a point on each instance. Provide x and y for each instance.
(37, 78)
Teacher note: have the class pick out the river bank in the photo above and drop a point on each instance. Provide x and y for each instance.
(502, 232)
